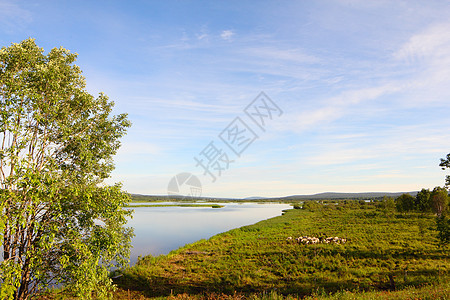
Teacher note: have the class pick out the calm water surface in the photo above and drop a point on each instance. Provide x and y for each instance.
(160, 230)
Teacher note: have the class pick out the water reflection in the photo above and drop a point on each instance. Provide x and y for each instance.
(162, 229)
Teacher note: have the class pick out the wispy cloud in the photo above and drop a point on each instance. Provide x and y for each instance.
(185, 104)
(137, 148)
(333, 108)
(227, 35)
(341, 156)
(202, 36)
(426, 55)
(287, 55)
(13, 17)
(432, 44)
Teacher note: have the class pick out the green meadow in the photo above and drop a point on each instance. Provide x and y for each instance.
(386, 256)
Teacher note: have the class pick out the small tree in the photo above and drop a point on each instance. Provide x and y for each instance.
(443, 227)
(59, 224)
(423, 200)
(404, 203)
(445, 163)
(388, 206)
(311, 205)
(439, 200)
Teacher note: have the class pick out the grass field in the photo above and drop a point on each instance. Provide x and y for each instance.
(382, 256)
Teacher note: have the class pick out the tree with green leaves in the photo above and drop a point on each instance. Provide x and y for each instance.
(59, 223)
(388, 206)
(443, 228)
(445, 163)
(439, 200)
(311, 205)
(404, 203)
(440, 203)
(423, 200)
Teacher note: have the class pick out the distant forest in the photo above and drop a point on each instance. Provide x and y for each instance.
(320, 196)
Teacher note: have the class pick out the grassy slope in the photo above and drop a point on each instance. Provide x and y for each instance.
(258, 259)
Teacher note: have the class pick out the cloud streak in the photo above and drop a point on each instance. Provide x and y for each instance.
(227, 35)
(13, 17)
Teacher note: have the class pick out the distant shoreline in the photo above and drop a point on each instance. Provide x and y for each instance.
(282, 199)
(176, 205)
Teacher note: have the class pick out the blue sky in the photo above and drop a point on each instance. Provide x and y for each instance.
(363, 86)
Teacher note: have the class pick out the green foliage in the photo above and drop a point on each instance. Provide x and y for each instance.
(58, 223)
(405, 203)
(388, 206)
(296, 205)
(423, 200)
(311, 205)
(439, 201)
(445, 163)
(443, 227)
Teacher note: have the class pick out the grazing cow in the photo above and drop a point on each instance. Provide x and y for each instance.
(315, 240)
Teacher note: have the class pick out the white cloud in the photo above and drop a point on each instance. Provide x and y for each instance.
(186, 104)
(341, 156)
(333, 108)
(432, 43)
(427, 57)
(287, 55)
(12, 16)
(311, 119)
(131, 148)
(202, 36)
(227, 35)
(142, 184)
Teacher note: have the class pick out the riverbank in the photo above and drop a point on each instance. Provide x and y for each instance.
(382, 254)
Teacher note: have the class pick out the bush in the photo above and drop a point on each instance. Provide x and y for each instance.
(443, 227)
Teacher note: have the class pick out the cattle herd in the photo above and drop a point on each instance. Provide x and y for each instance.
(317, 240)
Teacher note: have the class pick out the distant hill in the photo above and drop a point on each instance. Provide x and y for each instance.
(332, 195)
(319, 196)
(254, 198)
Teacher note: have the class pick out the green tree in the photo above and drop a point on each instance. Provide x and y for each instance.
(388, 206)
(439, 200)
(59, 223)
(445, 163)
(443, 227)
(311, 205)
(404, 203)
(423, 200)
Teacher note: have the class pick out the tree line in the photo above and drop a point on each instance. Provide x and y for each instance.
(436, 201)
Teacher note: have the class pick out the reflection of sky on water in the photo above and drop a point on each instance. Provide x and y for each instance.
(162, 229)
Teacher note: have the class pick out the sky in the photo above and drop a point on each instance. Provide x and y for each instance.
(261, 98)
